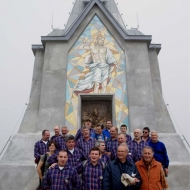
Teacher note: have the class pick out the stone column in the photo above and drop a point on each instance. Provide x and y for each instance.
(29, 121)
(139, 86)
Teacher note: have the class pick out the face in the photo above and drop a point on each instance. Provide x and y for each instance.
(121, 139)
(102, 147)
(64, 131)
(100, 40)
(62, 158)
(154, 137)
(94, 156)
(46, 136)
(56, 130)
(113, 132)
(145, 133)
(88, 124)
(122, 152)
(52, 148)
(123, 130)
(137, 134)
(85, 132)
(70, 144)
(147, 155)
(108, 125)
(98, 130)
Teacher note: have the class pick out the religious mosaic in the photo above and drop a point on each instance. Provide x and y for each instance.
(96, 64)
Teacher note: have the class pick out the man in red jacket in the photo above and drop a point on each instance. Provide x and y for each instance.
(151, 171)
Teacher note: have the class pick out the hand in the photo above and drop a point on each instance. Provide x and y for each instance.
(135, 181)
(108, 153)
(166, 171)
(53, 165)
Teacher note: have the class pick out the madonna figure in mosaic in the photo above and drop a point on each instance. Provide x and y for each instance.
(101, 63)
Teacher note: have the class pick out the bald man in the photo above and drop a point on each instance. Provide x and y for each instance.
(57, 133)
(137, 143)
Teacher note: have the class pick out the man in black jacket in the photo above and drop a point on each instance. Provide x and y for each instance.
(114, 170)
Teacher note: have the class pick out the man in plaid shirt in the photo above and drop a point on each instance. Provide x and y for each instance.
(138, 143)
(87, 124)
(86, 143)
(61, 140)
(123, 129)
(57, 133)
(41, 147)
(112, 142)
(92, 171)
(75, 155)
(132, 154)
(62, 176)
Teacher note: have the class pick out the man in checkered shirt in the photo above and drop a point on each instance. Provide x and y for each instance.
(61, 140)
(62, 176)
(132, 153)
(138, 143)
(92, 171)
(75, 155)
(41, 147)
(112, 142)
(86, 143)
(88, 124)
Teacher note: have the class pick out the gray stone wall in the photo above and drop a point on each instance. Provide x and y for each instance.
(163, 121)
(29, 122)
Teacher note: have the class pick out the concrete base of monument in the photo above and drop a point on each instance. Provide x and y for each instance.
(179, 176)
(18, 172)
(17, 176)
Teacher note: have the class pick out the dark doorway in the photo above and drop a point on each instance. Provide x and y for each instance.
(99, 111)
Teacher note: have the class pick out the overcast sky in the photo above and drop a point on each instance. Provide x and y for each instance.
(23, 22)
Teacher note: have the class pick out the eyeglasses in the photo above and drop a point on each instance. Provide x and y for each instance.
(145, 132)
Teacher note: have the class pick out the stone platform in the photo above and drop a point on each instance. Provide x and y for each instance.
(18, 172)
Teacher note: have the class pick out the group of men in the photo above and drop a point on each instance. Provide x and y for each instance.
(104, 159)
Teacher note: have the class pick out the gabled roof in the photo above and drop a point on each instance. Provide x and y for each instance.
(79, 6)
(70, 31)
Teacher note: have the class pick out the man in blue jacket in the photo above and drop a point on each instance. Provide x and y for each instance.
(160, 152)
(114, 170)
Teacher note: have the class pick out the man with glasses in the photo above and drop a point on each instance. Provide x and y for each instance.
(145, 136)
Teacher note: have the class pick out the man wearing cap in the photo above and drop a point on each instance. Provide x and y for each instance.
(88, 124)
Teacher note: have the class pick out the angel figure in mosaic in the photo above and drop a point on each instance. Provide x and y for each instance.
(101, 63)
